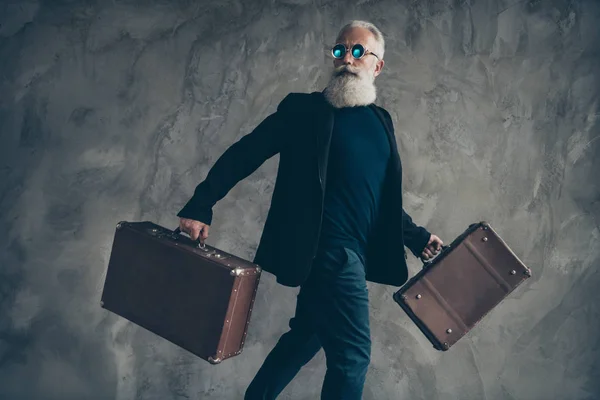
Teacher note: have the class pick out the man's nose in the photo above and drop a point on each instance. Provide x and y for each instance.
(348, 59)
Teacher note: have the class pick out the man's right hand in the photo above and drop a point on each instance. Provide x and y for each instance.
(195, 229)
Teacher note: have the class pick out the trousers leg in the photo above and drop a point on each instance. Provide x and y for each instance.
(344, 331)
(294, 349)
(331, 313)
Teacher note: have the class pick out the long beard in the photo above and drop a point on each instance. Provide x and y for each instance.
(349, 87)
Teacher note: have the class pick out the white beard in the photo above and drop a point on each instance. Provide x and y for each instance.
(350, 90)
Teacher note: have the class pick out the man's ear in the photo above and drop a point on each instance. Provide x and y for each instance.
(379, 67)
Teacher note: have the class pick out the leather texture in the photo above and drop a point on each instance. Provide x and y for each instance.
(197, 298)
(466, 281)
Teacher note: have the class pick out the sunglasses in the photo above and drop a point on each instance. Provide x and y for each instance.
(358, 51)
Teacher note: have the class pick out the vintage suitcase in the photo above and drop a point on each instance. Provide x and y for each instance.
(191, 294)
(463, 283)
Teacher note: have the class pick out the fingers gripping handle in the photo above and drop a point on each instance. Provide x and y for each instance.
(198, 241)
(427, 263)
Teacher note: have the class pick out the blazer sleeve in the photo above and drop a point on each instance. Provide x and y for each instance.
(415, 237)
(237, 162)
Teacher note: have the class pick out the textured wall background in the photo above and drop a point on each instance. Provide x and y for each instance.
(115, 110)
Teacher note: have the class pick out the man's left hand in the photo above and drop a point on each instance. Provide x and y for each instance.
(433, 247)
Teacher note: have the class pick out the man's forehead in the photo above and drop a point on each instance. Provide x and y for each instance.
(356, 35)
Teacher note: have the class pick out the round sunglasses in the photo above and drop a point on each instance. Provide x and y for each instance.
(358, 51)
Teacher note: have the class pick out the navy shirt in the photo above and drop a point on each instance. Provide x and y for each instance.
(356, 170)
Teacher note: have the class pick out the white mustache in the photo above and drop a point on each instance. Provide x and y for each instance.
(346, 68)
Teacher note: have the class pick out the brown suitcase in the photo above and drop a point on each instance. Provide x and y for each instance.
(195, 296)
(462, 284)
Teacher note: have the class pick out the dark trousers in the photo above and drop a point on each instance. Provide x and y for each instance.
(332, 312)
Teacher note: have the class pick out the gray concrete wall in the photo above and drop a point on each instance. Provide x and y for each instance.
(115, 110)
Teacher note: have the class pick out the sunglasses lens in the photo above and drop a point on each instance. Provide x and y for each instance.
(338, 51)
(358, 51)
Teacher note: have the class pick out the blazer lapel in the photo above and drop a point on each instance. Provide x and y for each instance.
(389, 130)
(324, 123)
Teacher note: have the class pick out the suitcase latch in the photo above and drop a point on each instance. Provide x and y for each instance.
(212, 253)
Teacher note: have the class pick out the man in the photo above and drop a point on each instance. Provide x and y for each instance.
(336, 219)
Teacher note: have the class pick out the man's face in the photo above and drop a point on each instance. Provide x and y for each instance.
(368, 64)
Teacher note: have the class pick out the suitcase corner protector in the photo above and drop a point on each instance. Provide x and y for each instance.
(121, 224)
(214, 360)
(443, 346)
(400, 297)
(245, 271)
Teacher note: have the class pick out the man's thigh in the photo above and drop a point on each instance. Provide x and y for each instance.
(342, 312)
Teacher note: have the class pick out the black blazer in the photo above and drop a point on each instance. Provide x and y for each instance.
(300, 131)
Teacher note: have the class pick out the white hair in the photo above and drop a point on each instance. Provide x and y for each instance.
(373, 29)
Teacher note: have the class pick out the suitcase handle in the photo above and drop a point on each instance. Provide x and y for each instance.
(447, 246)
(200, 244)
(428, 263)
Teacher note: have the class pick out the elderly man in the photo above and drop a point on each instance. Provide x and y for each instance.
(336, 218)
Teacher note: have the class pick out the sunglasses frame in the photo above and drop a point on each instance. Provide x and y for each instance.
(346, 49)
